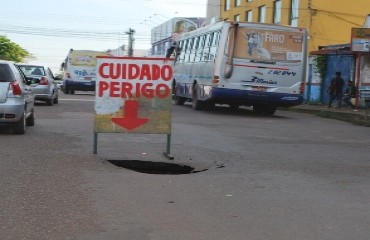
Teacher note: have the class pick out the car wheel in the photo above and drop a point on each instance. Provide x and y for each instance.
(72, 91)
(30, 121)
(56, 99)
(20, 126)
(50, 102)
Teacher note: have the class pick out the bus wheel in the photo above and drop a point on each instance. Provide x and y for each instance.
(209, 105)
(258, 109)
(234, 107)
(196, 103)
(270, 110)
(178, 100)
(261, 109)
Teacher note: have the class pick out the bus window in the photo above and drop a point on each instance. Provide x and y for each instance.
(194, 49)
(207, 46)
(188, 49)
(178, 51)
(199, 53)
(182, 51)
(214, 46)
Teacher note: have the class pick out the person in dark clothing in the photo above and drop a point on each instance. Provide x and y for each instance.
(331, 91)
(349, 94)
(339, 83)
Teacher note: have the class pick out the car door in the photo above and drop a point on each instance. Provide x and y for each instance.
(29, 97)
(53, 85)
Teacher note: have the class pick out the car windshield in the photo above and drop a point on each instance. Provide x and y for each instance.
(5, 75)
(32, 70)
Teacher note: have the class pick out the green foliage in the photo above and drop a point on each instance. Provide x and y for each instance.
(321, 62)
(12, 51)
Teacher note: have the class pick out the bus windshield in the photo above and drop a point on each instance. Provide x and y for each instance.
(267, 44)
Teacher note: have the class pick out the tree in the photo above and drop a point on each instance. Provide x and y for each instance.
(11, 51)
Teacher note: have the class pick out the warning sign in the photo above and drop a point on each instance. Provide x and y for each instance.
(133, 95)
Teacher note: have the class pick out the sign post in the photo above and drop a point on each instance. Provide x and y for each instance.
(133, 95)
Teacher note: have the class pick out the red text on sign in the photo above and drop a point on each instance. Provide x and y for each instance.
(138, 90)
(132, 71)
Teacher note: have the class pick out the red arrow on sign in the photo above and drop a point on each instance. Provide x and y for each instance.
(130, 120)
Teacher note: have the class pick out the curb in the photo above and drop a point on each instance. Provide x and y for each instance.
(357, 118)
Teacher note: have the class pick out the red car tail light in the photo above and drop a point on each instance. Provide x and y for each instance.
(15, 88)
(44, 81)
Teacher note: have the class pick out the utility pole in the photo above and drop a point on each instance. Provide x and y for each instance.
(131, 40)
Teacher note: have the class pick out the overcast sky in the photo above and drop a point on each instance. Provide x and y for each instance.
(49, 28)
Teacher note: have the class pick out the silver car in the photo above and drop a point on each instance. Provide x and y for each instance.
(42, 82)
(16, 98)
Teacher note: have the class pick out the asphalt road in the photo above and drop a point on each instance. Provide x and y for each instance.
(290, 176)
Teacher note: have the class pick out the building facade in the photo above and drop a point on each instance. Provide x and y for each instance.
(166, 33)
(213, 10)
(328, 21)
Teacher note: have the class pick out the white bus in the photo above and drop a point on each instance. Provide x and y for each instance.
(79, 70)
(241, 64)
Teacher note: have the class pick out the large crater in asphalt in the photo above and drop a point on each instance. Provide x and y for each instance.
(154, 167)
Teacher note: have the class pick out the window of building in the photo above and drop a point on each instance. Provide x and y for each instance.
(262, 14)
(294, 13)
(277, 12)
(237, 3)
(249, 16)
(237, 18)
(227, 5)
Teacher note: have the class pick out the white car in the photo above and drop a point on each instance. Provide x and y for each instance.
(16, 98)
(42, 82)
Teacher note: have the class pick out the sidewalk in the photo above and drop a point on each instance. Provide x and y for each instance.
(359, 116)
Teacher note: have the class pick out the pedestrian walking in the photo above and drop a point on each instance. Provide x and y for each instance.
(331, 91)
(338, 83)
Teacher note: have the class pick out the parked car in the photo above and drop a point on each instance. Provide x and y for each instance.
(58, 78)
(16, 98)
(42, 82)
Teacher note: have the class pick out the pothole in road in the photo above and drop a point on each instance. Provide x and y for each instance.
(154, 167)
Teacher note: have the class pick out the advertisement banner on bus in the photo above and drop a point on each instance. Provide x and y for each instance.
(271, 45)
